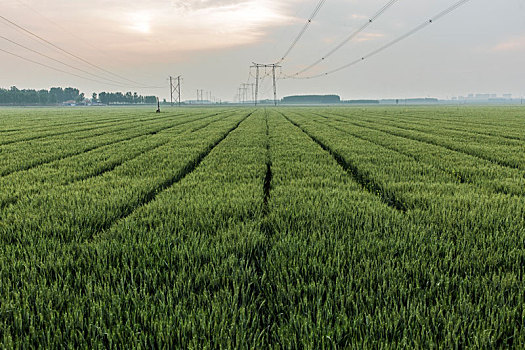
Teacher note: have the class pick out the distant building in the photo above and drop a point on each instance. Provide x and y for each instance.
(482, 96)
(70, 103)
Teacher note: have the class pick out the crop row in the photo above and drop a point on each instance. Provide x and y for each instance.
(465, 167)
(95, 127)
(504, 152)
(502, 122)
(16, 157)
(409, 184)
(21, 157)
(460, 136)
(85, 165)
(77, 211)
(292, 228)
(178, 270)
(506, 131)
(65, 132)
(348, 271)
(51, 121)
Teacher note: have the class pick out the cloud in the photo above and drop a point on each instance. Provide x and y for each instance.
(199, 27)
(192, 5)
(368, 37)
(183, 25)
(196, 25)
(330, 40)
(512, 44)
(357, 16)
(154, 30)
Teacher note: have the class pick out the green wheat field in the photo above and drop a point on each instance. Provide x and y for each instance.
(307, 228)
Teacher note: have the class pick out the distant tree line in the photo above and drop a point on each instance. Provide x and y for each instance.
(55, 95)
(311, 99)
(58, 95)
(123, 98)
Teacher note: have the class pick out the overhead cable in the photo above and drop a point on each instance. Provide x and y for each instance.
(388, 45)
(118, 83)
(351, 36)
(72, 54)
(53, 68)
(62, 28)
(303, 30)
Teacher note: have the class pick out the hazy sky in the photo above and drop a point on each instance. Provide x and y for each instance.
(479, 48)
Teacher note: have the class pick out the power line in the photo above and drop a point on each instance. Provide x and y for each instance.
(51, 67)
(392, 43)
(354, 34)
(80, 39)
(71, 54)
(118, 83)
(301, 33)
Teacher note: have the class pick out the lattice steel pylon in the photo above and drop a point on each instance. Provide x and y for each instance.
(257, 67)
(175, 89)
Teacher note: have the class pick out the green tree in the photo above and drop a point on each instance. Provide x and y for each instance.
(80, 98)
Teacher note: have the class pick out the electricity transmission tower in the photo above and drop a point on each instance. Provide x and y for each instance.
(175, 89)
(253, 91)
(200, 96)
(242, 91)
(245, 88)
(257, 67)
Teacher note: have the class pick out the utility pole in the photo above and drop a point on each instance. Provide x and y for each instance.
(272, 66)
(175, 89)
